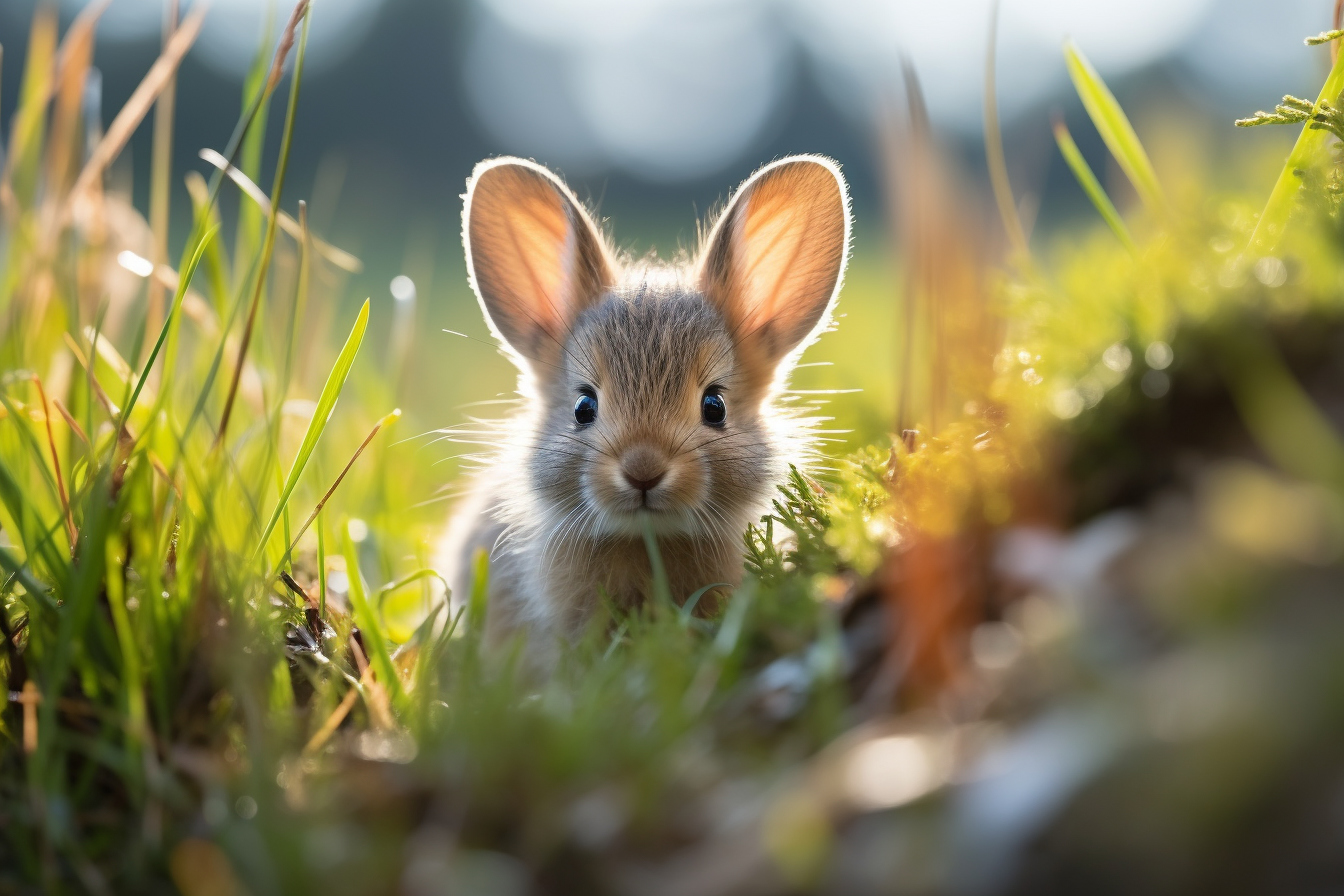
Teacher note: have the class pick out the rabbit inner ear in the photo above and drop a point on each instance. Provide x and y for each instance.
(534, 258)
(774, 260)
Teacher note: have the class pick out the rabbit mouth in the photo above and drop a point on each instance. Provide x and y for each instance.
(635, 522)
(632, 496)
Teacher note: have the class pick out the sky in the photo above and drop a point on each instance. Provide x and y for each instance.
(674, 90)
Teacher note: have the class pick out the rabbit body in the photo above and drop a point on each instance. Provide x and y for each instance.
(648, 391)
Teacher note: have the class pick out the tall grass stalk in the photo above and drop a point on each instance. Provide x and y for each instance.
(301, 14)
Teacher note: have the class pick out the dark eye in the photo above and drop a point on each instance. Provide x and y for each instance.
(712, 409)
(585, 409)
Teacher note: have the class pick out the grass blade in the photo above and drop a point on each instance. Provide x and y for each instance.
(293, 542)
(688, 608)
(418, 576)
(370, 630)
(426, 659)
(18, 180)
(12, 566)
(281, 168)
(1309, 146)
(247, 236)
(1114, 127)
(27, 525)
(183, 282)
(662, 592)
(479, 604)
(161, 172)
(1091, 186)
(326, 403)
(21, 423)
(994, 157)
(321, 569)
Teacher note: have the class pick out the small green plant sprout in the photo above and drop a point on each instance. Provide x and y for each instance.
(1324, 37)
(1295, 110)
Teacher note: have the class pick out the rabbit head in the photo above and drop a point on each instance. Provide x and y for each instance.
(648, 388)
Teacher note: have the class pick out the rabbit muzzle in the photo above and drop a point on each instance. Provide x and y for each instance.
(643, 468)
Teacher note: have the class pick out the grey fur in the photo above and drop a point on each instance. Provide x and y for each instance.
(553, 503)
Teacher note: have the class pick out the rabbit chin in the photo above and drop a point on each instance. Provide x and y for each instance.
(631, 521)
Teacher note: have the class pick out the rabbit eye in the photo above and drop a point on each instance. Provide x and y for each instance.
(585, 409)
(713, 410)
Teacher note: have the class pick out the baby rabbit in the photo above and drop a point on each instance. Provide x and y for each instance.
(647, 390)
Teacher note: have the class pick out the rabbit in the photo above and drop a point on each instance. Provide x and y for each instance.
(648, 391)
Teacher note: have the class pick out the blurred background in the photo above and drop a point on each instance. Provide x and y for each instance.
(654, 109)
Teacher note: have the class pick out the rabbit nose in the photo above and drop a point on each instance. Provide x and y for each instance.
(643, 485)
(643, 469)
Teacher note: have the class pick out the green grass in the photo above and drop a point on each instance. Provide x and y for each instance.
(205, 698)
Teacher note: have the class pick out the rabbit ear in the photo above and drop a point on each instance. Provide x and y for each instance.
(534, 258)
(774, 261)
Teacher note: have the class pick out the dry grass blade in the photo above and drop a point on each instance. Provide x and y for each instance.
(107, 404)
(71, 422)
(128, 438)
(56, 464)
(950, 337)
(1338, 23)
(286, 44)
(125, 435)
(77, 40)
(30, 699)
(375, 695)
(339, 257)
(72, 67)
(161, 170)
(946, 331)
(333, 721)
(108, 354)
(137, 107)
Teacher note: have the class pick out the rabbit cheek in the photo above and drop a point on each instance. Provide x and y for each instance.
(686, 486)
